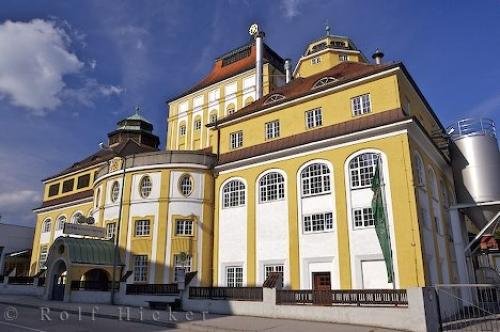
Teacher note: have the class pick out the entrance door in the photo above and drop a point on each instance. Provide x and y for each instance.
(58, 288)
(322, 288)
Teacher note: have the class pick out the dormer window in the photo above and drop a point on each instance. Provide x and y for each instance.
(324, 81)
(273, 98)
(316, 60)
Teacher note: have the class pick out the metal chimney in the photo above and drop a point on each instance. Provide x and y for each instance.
(377, 56)
(259, 55)
(288, 70)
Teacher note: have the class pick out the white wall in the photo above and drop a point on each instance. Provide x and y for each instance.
(15, 238)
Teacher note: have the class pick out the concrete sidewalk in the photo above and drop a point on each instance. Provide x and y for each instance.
(177, 319)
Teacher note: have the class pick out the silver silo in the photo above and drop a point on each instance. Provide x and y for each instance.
(476, 167)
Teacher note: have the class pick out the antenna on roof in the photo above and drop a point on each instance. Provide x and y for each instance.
(327, 28)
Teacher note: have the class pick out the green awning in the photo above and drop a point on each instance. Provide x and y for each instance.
(85, 250)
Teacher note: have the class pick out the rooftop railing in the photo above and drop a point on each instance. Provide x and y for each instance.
(472, 127)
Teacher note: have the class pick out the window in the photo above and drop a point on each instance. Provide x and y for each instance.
(272, 129)
(230, 109)
(180, 264)
(83, 181)
(185, 185)
(314, 118)
(419, 169)
(316, 60)
(363, 217)
(141, 268)
(115, 191)
(274, 268)
(432, 184)
(233, 194)
(110, 230)
(361, 104)
(60, 223)
(234, 276)
(182, 130)
(213, 118)
(68, 185)
(197, 124)
(43, 255)
(315, 179)
(184, 227)
(272, 187)
(145, 186)
(46, 226)
(76, 217)
(142, 228)
(97, 197)
(361, 170)
(53, 189)
(343, 57)
(236, 139)
(273, 98)
(318, 222)
(324, 81)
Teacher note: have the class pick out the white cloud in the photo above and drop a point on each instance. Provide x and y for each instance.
(108, 90)
(35, 58)
(12, 200)
(290, 8)
(89, 91)
(486, 107)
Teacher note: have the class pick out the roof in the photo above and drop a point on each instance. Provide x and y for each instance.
(299, 87)
(137, 117)
(85, 250)
(363, 123)
(66, 199)
(127, 147)
(221, 72)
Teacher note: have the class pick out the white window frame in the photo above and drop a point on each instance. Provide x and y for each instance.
(314, 118)
(145, 186)
(271, 187)
(141, 268)
(213, 117)
(420, 171)
(236, 139)
(115, 191)
(60, 223)
(280, 268)
(184, 227)
(44, 252)
(142, 227)
(272, 129)
(186, 266)
(186, 185)
(234, 276)
(361, 104)
(110, 230)
(47, 224)
(182, 130)
(363, 218)
(317, 223)
(343, 57)
(197, 124)
(359, 173)
(233, 194)
(316, 60)
(313, 173)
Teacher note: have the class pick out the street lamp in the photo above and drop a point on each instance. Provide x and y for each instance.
(116, 250)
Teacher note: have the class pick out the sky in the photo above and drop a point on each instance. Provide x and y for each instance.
(69, 70)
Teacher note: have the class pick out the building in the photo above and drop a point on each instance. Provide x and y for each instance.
(15, 243)
(269, 170)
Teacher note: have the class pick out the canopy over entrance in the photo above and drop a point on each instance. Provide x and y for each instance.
(83, 251)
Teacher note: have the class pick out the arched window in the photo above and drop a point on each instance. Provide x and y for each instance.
(197, 123)
(272, 187)
(315, 179)
(433, 184)
(75, 218)
(145, 186)
(230, 109)
(273, 98)
(97, 197)
(60, 223)
(361, 170)
(186, 185)
(182, 129)
(46, 226)
(248, 101)
(115, 191)
(324, 81)
(213, 117)
(233, 194)
(419, 171)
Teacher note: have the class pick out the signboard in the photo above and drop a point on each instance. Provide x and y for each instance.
(84, 230)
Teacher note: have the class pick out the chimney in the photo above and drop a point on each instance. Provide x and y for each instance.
(288, 70)
(377, 56)
(259, 51)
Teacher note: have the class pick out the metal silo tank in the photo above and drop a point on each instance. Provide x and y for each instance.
(476, 166)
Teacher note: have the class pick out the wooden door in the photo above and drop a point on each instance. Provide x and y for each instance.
(322, 286)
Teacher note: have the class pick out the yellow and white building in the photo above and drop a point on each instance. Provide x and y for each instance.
(249, 185)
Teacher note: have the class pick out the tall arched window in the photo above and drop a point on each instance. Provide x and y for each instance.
(315, 179)
(46, 226)
(361, 170)
(272, 187)
(115, 191)
(182, 129)
(145, 186)
(75, 218)
(433, 184)
(97, 197)
(419, 171)
(233, 194)
(60, 223)
(197, 123)
(230, 109)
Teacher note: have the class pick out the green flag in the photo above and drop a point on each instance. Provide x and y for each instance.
(381, 226)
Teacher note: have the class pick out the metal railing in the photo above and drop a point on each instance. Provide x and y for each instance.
(472, 127)
(227, 293)
(358, 297)
(21, 280)
(471, 307)
(103, 286)
(152, 289)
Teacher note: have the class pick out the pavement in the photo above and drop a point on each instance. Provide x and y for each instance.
(27, 313)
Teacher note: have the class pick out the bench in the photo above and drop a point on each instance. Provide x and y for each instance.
(164, 305)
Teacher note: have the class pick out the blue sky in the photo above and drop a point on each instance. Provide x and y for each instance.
(69, 70)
